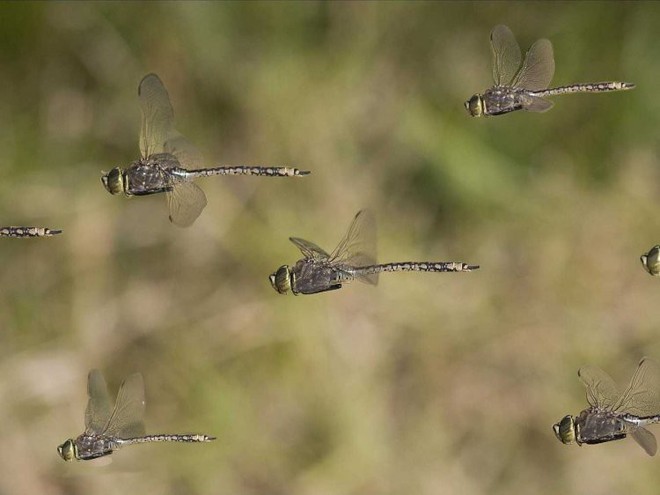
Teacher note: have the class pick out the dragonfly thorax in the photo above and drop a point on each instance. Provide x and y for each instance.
(113, 181)
(475, 106)
(565, 430)
(283, 279)
(68, 450)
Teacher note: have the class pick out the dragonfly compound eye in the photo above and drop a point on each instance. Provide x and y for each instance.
(281, 279)
(565, 430)
(475, 106)
(67, 450)
(651, 261)
(113, 181)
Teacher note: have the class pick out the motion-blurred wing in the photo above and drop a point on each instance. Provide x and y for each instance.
(127, 420)
(535, 103)
(538, 68)
(309, 249)
(185, 203)
(506, 55)
(98, 405)
(602, 392)
(358, 247)
(188, 155)
(642, 397)
(157, 115)
(645, 439)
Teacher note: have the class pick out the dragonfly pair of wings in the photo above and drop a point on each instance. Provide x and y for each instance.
(536, 70)
(641, 399)
(185, 200)
(126, 419)
(356, 249)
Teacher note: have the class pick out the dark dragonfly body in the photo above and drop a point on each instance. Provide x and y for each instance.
(651, 261)
(525, 87)
(353, 259)
(28, 232)
(613, 415)
(169, 162)
(108, 429)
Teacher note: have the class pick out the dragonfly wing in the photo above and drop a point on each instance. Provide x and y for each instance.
(506, 55)
(127, 420)
(98, 405)
(645, 439)
(186, 152)
(309, 249)
(157, 115)
(642, 397)
(358, 246)
(536, 103)
(185, 203)
(538, 68)
(602, 392)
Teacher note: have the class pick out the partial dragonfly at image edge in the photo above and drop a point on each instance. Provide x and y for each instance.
(612, 414)
(523, 84)
(651, 261)
(108, 429)
(28, 232)
(354, 258)
(169, 163)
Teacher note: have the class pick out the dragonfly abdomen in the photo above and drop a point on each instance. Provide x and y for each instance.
(194, 438)
(418, 266)
(601, 87)
(249, 170)
(27, 232)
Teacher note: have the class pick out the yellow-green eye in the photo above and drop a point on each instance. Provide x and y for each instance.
(281, 279)
(651, 261)
(113, 181)
(565, 430)
(475, 106)
(67, 450)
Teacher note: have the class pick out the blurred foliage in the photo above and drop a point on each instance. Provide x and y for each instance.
(425, 384)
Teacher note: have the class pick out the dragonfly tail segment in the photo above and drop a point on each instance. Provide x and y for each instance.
(601, 87)
(27, 232)
(251, 170)
(421, 266)
(193, 438)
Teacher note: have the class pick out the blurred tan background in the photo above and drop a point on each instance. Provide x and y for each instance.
(426, 384)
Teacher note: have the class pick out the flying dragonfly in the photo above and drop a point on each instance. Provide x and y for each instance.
(169, 162)
(28, 232)
(354, 258)
(525, 87)
(613, 415)
(106, 429)
(651, 261)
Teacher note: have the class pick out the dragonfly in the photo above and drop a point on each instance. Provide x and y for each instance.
(651, 261)
(106, 429)
(525, 87)
(28, 232)
(169, 163)
(613, 415)
(354, 258)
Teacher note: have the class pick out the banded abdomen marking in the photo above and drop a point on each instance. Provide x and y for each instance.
(248, 170)
(601, 87)
(27, 232)
(193, 438)
(418, 266)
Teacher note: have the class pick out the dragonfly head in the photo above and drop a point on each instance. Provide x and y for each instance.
(565, 430)
(283, 279)
(113, 181)
(651, 261)
(68, 450)
(475, 106)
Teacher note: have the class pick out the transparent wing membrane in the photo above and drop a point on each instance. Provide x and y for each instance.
(185, 203)
(538, 68)
(535, 103)
(642, 397)
(98, 405)
(309, 249)
(127, 420)
(602, 392)
(358, 246)
(645, 439)
(187, 153)
(506, 55)
(157, 115)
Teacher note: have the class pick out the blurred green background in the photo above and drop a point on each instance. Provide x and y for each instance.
(426, 384)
